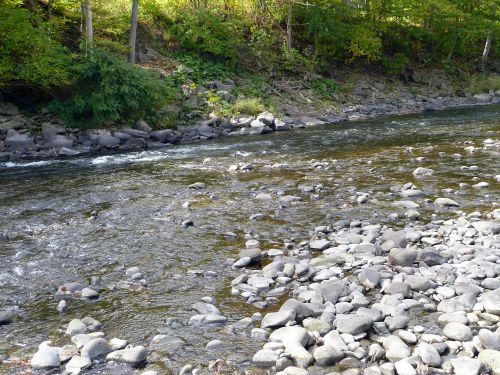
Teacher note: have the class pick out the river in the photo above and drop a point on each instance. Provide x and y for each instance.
(45, 209)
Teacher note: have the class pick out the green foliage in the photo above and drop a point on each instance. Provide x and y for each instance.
(109, 90)
(248, 106)
(206, 32)
(395, 64)
(481, 83)
(325, 87)
(365, 43)
(197, 68)
(28, 54)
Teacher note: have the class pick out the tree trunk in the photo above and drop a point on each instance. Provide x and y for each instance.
(87, 16)
(133, 32)
(289, 27)
(486, 50)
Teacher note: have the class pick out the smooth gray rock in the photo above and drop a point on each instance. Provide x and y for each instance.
(399, 287)
(458, 332)
(277, 319)
(446, 202)
(489, 340)
(75, 327)
(133, 356)
(108, 141)
(419, 283)
(265, 358)
(46, 357)
(465, 366)
(327, 355)
(428, 354)
(395, 348)
(96, 348)
(319, 245)
(15, 140)
(369, 278)
(77, 364)
(402, 257)
(332, 290)
(206, 308)
(6, 317)
(353, 324)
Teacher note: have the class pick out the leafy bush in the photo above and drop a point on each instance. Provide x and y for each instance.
(248, 106)
(325, 87)
(28, 55)
(365, 43)
(207, 32)
(109, 90)
(395, 64)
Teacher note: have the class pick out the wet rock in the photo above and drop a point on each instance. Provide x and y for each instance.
(6, 317)
(206, 308)
(265, 358)
(133, 356)
(15, 140)
(89, 293)
(108, 141)
(46, 357)
(166, 343)
(422, 172)
(446, 202)
(254, 254)
(217, 344)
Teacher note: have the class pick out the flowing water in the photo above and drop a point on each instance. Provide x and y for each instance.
(45, 206)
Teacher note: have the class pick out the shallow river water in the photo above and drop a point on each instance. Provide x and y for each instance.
(45, 206)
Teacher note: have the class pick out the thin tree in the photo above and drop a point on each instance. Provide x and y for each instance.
(133, 32)
(87, 17)
(486, 51)
(289, 27)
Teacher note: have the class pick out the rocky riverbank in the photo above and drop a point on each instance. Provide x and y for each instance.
(44, 137)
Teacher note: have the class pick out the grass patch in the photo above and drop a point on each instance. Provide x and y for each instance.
(481, 83)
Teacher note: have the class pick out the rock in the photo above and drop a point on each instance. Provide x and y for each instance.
(446, 202)
(142, 126)
(353, 324)
(458, 332)
(75, 327)
(6, 317)
(332, 290)
(369, 278)
(399, 287)
(395, 348)
(265, 358)
(487, 227)
(402, 257)
(96, 348)
(166, 343)
(294, 335)
(422, 172)
(491, 358)
(489, 340)
(403, 367)
(197, 186)
(396, 322)
(465, 366)
(108, 141)
(89, 293)
(67, 352)
(133, 356)
(77, 364)
(292, 370)
(316, 325)
(428, 354)
(217, 344)
(81, 340)
(300, 309)
(117, 344)
(254, 254)
(15, 140)
(327, 355)
(432, 258)
(206, 308)
(419, 283)
(277, 319)
(319, 245)
(46, 357)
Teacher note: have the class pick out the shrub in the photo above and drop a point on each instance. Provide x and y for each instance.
(248, 106)
(365, 43)
(28, 55)
(395, 64)
(109, 91)
(481, 83)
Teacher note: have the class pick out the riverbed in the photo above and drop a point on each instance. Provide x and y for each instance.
(141, 200)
